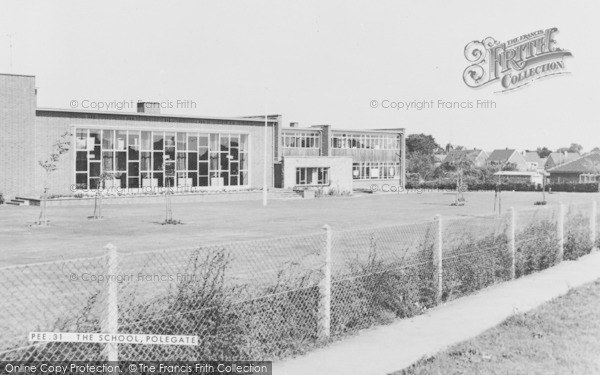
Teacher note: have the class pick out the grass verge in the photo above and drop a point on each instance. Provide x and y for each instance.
(560, 337)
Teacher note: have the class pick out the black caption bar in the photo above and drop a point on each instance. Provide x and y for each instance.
(137, 367)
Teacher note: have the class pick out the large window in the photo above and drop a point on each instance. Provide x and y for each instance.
(370, 141)
(375, 170)
(301, 139)
(140, 159)
(312, 176)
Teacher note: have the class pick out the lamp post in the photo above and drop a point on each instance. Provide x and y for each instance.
(265, 155)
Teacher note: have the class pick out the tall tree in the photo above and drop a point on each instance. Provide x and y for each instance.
(543, 152)
(574, 147)
(421, 143)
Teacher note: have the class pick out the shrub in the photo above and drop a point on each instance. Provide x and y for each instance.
(536, 247)
(474, 264)
(577, 235)
(1, 198)
(378, 291)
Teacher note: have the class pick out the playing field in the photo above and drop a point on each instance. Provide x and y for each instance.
(137, 227)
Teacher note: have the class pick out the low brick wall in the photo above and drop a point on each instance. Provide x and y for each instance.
(176, 198)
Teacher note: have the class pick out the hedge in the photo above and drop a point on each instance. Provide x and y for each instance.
(564, 187)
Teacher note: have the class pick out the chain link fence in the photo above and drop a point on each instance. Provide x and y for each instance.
(268, 299)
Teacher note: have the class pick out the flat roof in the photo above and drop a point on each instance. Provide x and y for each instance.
(156, 115)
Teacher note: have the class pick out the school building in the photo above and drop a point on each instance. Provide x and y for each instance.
(147, 149)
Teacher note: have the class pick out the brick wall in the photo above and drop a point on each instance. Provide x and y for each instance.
(17, 135)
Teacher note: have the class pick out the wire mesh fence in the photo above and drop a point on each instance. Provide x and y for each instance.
(268, 299)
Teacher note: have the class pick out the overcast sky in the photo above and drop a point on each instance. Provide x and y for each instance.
(318, 62)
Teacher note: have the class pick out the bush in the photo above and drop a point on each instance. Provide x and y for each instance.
(577, 236)
(1, 198)
(536, 247)
(379, 291)
(474, 264)
(492, 186)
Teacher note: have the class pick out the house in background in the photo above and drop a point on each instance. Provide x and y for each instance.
(584, 169)
(559, 158)
(477, 157)
(438, 159)
(506, 157)
(524, 177)
(534, 162)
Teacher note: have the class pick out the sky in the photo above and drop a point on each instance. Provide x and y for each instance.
(314, 62)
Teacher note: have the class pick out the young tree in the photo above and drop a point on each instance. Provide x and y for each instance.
(104, 176)
(61, 146)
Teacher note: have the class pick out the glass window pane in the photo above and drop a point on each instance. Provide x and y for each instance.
(214, 161)
(203, 153)
(181, 161)
(194, 177)
(224, 139)
(244, 142)
(233, 168)
(192, 161)
(108, 161)
(243, 178)
(81, 180)
(214, 142)
(81, 162)
(203, 181)
(121, 161)
(244, 161)
(234, 154)
(158, 143)
(170, 153)
(146, 158)
(170, 140)
(82, 137)
(181, 143)
(94, 169)
(134, 169)
(203, 169)
(121, 140)
(133, 183)
(225, 178)
(203, 141)
(192, 143)
(158, 161)
(146, 141)
(224, 162)
(108, 139)
(234, 140)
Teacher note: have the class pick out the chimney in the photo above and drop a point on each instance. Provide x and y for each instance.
(152, 108)
(293, 124)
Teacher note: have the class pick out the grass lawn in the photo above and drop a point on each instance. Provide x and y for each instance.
(560, 337)
(136, 227)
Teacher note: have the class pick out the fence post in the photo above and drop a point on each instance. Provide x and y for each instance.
(511, 241)
(437, 260)
(325, 288)
(593, 228)
(561, 232)
(111, 321)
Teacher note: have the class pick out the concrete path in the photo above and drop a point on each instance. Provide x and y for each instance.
(390, 348)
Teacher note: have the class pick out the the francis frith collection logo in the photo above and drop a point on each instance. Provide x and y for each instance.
(515, 63)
